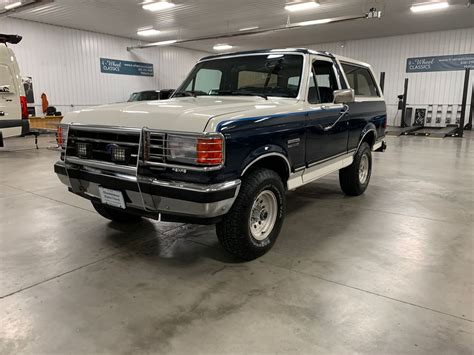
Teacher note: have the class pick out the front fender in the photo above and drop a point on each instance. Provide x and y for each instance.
(265, 151)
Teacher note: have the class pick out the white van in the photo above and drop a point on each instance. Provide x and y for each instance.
(13, 106)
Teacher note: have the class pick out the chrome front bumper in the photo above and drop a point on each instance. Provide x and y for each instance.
(149, 196)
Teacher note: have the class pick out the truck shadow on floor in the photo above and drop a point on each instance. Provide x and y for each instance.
(183, 245)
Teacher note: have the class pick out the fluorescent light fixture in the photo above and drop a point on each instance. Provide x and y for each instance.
(429, 6)
(165, 43)
(222, 47)
(147, 32)
(13, 5)
(301, 6)
(249, 28)
(314, 22)
(158, 6)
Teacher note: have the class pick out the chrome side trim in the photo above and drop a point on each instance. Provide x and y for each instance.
(318, 171)
(366, 133)
(266, 156)
(329, 159)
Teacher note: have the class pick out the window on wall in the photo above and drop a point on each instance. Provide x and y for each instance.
(361, 80)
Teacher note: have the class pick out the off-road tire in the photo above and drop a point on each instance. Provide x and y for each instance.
(234, 232)
(349, 177)
(115, 215)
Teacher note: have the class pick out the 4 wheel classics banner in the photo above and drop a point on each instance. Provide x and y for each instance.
(440, 63)
(125, 67)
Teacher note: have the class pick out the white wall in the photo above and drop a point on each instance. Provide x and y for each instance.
(389, 54)
(64, 63)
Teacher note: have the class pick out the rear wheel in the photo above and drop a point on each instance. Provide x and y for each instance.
(115, 215)
(253, 224)
(355, 178)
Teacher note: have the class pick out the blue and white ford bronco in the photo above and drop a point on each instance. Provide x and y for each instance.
(241, 130)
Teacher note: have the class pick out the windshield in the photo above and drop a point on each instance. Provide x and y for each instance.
(258, 75)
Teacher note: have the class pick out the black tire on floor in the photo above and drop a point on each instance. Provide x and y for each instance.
(115, 215)
(234, 231)
(350, 177)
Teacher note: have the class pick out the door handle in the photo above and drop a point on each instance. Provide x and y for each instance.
(9, 100)
(344, 111)
(2, 113)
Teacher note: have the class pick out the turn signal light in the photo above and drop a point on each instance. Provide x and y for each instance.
(210, 151)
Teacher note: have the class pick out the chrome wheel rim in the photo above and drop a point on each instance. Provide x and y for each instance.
(364, 169)
(263, 215)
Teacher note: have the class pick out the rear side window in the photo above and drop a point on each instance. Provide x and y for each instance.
(361, 80)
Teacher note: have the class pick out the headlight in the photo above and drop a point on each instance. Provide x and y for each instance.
(196, 150)
(182, 149)
(61, 135)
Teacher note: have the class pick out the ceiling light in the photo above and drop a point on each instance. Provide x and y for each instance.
(249, 28)
(147, 32)
(222, 47)
(314, 22)
(429, 6)
(301, 6)
(164, 43)
(13, 5)
(158, 6)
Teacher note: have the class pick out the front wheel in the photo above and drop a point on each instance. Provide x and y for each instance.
(355, 178)
(253, 224)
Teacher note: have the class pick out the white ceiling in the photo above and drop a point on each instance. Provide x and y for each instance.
(197, 18)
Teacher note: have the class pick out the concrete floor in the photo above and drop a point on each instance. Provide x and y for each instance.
(388, 272)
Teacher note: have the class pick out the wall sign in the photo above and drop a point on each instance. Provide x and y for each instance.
(125, 67)
(440, 63)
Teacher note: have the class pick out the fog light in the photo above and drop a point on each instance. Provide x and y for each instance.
(120, 154)
(83, 150)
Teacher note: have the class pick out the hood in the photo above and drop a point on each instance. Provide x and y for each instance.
(189, 114)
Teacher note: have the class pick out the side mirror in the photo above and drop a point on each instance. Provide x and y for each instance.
(344, 96)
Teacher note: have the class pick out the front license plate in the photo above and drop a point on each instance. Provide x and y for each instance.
(112, 197)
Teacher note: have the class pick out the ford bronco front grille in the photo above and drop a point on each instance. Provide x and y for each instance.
(99, 143)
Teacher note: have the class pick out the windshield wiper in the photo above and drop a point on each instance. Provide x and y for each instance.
(185, 93)
(242, 93)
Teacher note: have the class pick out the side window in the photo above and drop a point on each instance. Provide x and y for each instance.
(325, 80)
(361, 80)
(206, 81)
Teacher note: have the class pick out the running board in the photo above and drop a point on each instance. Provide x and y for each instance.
(318, 171)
